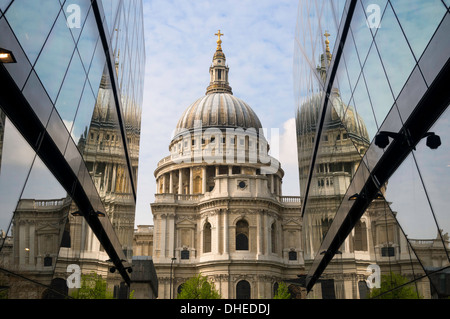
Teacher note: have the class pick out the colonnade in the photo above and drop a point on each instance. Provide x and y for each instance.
(194, 180)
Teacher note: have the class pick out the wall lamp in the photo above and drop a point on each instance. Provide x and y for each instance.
(382, 139)
(113, 269)
(92, 213)
(433, 140)
(356, 196)
(7, 56)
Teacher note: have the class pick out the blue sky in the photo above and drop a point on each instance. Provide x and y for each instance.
(258, 42)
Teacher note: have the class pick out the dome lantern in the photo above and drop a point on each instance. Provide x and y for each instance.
(219, 71)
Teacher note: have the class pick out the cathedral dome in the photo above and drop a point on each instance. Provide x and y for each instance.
(221, 110)
(340, 115)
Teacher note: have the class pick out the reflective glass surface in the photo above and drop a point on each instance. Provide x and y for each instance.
(69, 89)
(399, 247)
(32, 22)
(55, 57)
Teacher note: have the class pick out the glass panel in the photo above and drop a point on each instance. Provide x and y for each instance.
(83, 117)
(374, 10)
(351, 60)
(364, 123)
(380, 94)
(88, 40)
(437, 52)
(38, 98)
(111, 9)
(54, 60)
(4, 4)
(16, 159)
(361, 32)
(97, 68)
(75, 12)
(58, 131)
(105, 160)
(36, 234)
(406, 192)
(69, 96)
(398, 60)
(434, 168)
(20, 70)
(25, 18)
(419, 20)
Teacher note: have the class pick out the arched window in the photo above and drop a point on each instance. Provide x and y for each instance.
(243, 290)
(275, 289)
(242, 235)
(180, 288)
(207, 238)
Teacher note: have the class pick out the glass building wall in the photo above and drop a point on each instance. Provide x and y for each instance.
(69, 143)
(372, 133)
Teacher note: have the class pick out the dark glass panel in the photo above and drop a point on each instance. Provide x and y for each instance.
(20, 70)
(58, 131)
(38, 98)
(437, 52)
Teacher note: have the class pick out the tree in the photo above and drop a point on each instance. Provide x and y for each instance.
(93, 286)
(282, 292)
(388, 288)
(198, 288)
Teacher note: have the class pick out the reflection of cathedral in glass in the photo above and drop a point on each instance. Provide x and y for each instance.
(68, 177)
(376, 237)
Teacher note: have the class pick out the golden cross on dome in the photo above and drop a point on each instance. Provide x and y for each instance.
(327, 43)
(219, 41)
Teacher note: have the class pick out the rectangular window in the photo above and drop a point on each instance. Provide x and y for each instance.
(387, 251)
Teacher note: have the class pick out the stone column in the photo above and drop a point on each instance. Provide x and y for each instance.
(266, 234)
(171, 182)
(163, 236)
(225, 232)
(260, 235)
(171, 231)
(215, 237)
(191, 181)
(164, 183)
(180, 181)
(204, 179)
